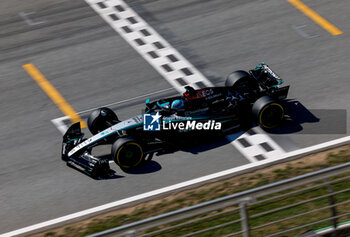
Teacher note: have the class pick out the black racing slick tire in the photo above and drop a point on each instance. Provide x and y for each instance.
(241, 81)
(267, 112)
(127, 153)
(100, 119)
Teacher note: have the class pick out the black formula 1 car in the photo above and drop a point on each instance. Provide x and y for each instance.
(247, 98)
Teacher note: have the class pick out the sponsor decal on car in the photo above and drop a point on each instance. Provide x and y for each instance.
(151, 122)
(192, 125)
(154, 122)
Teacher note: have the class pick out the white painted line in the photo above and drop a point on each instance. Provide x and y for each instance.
(331, 229)
(244, 168)
(320, 147)
(58, 122)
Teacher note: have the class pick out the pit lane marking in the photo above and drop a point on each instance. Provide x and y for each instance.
(51, 91)
(299, 30)
(332, 29)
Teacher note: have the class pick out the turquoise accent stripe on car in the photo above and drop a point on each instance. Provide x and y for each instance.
(161, 105)
(279, 83)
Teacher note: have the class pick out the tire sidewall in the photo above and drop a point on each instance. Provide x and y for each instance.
(237, 78)
(260, 106)
(97, 123)
(121, 144)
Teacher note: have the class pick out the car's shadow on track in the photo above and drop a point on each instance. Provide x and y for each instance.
(297, 114)
(111, 175)
(206, 145)
(194, 147)
(302, 120)
(150, 166)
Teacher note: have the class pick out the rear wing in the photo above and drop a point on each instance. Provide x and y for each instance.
(279, 93)
(266, 76)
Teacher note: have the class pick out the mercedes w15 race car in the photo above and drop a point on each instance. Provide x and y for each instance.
(247, 98)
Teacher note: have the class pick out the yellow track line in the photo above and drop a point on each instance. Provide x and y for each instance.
(316, 17)
(55, 96)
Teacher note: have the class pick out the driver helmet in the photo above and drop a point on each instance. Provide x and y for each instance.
(177, 104)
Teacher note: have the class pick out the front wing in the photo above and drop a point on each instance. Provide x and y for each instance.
(83, 161)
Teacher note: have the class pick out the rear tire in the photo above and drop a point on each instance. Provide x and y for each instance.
(127, 153)
(267, 112)
(241, 81)
(101, 119)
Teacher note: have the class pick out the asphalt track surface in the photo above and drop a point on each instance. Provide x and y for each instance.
(91, 65)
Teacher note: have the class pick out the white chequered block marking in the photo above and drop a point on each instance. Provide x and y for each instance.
(256, 145)
(149, 44)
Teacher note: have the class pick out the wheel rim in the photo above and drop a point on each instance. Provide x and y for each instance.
(271, 115)
(129, 155)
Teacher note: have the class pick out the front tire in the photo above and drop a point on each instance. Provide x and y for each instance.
(127, 153)
(101, 119)
(267, 112)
